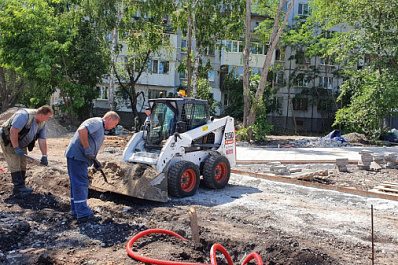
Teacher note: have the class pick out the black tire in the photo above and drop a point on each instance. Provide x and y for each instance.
(216, 172)
(183, 179)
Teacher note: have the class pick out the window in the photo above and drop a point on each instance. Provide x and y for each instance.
(241, 46)
(163, 67)
(326, 82)
(183, 46)
(302, 80)
(327, 61)
(211, 75)
(183, 74)
(225, 99)
(154, 93)
(240, 71)
(200, 116)
(301, 57)
(103, 92)
(235, 46)
(300, 103)
(228, 44)
(155, 66)
(303, 9)
(211, 51)
(279, 78)
(279, 55)
(276, 105)
(159, 67)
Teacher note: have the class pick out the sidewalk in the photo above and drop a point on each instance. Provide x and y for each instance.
(258, 153)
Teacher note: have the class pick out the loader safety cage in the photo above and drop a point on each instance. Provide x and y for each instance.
(166, 113)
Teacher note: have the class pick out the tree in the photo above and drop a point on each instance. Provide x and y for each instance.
(279, 24)
(12, 85)
(367, 46)
(144, 38)
(56, 45)
(108, 15)
(207, 21)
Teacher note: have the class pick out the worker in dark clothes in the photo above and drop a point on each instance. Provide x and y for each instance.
(81, 153)
(18, 135)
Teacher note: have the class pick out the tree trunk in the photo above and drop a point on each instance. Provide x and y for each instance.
(189, 46)
(276, 33)
(195, 77)
(113, 55)
(246, 77)
(3, 90)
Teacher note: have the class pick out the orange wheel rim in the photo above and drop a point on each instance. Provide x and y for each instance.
(188, 180)
(221, 172)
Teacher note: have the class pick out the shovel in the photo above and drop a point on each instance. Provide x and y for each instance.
(96, 162)
(36, 159)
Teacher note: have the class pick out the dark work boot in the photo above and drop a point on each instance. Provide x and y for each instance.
(19, 183)
(23, 173)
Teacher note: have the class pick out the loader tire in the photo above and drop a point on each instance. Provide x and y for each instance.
(216, 172)
(183, 179)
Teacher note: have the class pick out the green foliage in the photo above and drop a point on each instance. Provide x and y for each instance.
(261, 127)
(361, 37)
(242, 134)
(204, 92)
(34, 97)
(259, 130)
(373, 98)
(236, 101)
(55, 44)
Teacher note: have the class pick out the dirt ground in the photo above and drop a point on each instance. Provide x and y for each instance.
(283, 223)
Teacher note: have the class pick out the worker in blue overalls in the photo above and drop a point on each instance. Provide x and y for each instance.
(81, 153)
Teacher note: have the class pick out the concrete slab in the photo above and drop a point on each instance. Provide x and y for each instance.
(259, 153)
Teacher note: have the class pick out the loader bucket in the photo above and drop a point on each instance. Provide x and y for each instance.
(134, 180)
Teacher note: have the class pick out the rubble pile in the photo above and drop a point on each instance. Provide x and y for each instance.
(319, 142)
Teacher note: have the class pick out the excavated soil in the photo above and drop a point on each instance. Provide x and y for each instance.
(283, 223)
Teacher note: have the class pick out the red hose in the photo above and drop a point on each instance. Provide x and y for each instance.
(137, 256)
(253, 256)
(213, 250)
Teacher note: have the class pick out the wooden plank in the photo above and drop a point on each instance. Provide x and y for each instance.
(389, 183)
(368, 193)
(387, 189)
(383, 192)
(253, 162)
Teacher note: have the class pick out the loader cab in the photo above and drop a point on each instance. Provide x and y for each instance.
(171, 115)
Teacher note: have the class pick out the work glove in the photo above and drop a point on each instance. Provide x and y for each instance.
(19, 151)
(97, 165)
(89, 153)
(44, 160)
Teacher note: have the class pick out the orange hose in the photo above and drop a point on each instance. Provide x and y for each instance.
(253, 256)
(213, 250)
(220, 248)
(141, 258)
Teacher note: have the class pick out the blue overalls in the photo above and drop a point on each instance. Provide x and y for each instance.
(78, 165)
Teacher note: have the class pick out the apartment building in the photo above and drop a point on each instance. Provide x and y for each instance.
(162, 76)
(306, 87)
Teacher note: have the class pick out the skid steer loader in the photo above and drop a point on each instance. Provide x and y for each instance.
(180, 144)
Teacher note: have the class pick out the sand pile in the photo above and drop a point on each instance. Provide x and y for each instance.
(54, 128)
(355, 137)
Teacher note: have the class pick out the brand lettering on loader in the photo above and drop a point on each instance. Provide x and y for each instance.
(229, 138)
